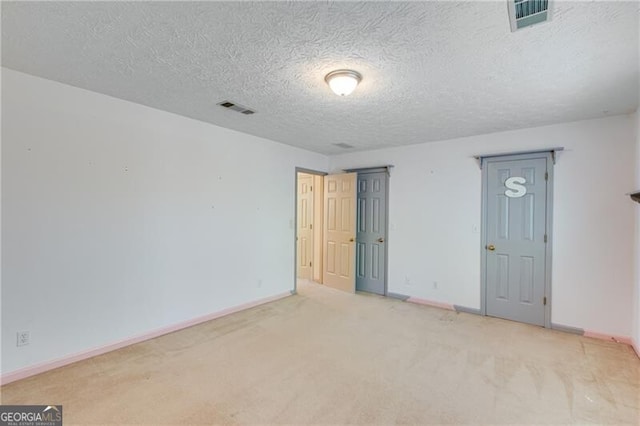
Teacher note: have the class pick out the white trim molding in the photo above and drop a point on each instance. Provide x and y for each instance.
(23, 373)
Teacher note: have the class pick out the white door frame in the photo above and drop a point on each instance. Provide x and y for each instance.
(295, 221)
(549, 155)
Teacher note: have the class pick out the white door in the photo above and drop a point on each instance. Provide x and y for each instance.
(340, 231)
(305, 225)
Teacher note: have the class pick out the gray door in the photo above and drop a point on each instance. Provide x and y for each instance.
(516, 217)
(371, 232)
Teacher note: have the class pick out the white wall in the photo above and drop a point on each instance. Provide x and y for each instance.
(435, 208)
(119, 219)
(636, 287)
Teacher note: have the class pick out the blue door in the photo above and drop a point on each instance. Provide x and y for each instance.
(516, 237)
(371, 232)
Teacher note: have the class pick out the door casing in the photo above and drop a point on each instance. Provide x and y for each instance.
(316, 173)
(295, 221)
(549, 227)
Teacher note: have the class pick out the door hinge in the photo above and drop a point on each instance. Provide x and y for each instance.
(311, 227)
(310, 264)
(545, 238)
(310, 188)
(544, 301)
(546, 175)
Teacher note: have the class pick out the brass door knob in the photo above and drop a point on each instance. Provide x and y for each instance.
(351, 240)
(381, 240)
(491, 247)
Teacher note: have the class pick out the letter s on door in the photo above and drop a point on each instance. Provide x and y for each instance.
(515, 188)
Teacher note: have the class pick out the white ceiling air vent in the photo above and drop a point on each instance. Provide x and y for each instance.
(236, 107)
(524, 13)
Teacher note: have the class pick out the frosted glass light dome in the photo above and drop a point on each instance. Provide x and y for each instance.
(343, 82)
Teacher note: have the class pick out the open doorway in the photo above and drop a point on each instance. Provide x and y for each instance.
(326, 229)
(309, 225)
(331, 211)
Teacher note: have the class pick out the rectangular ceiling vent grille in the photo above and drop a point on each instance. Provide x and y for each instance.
(524, 13)
(236, 107)
(343, 145)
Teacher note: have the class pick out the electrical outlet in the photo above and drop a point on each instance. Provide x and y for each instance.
(435, 285)
(407, 281)
(23, 338)
(259, 283)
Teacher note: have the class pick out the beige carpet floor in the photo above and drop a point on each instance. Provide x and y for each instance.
(327, 357)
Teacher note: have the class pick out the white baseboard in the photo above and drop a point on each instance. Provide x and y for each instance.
(60, 362)
(433, 303)
(636, 347)
(609, 337)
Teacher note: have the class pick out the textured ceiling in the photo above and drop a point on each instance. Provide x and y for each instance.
(432, 70)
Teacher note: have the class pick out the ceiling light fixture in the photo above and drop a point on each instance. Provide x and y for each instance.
(343, 82)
